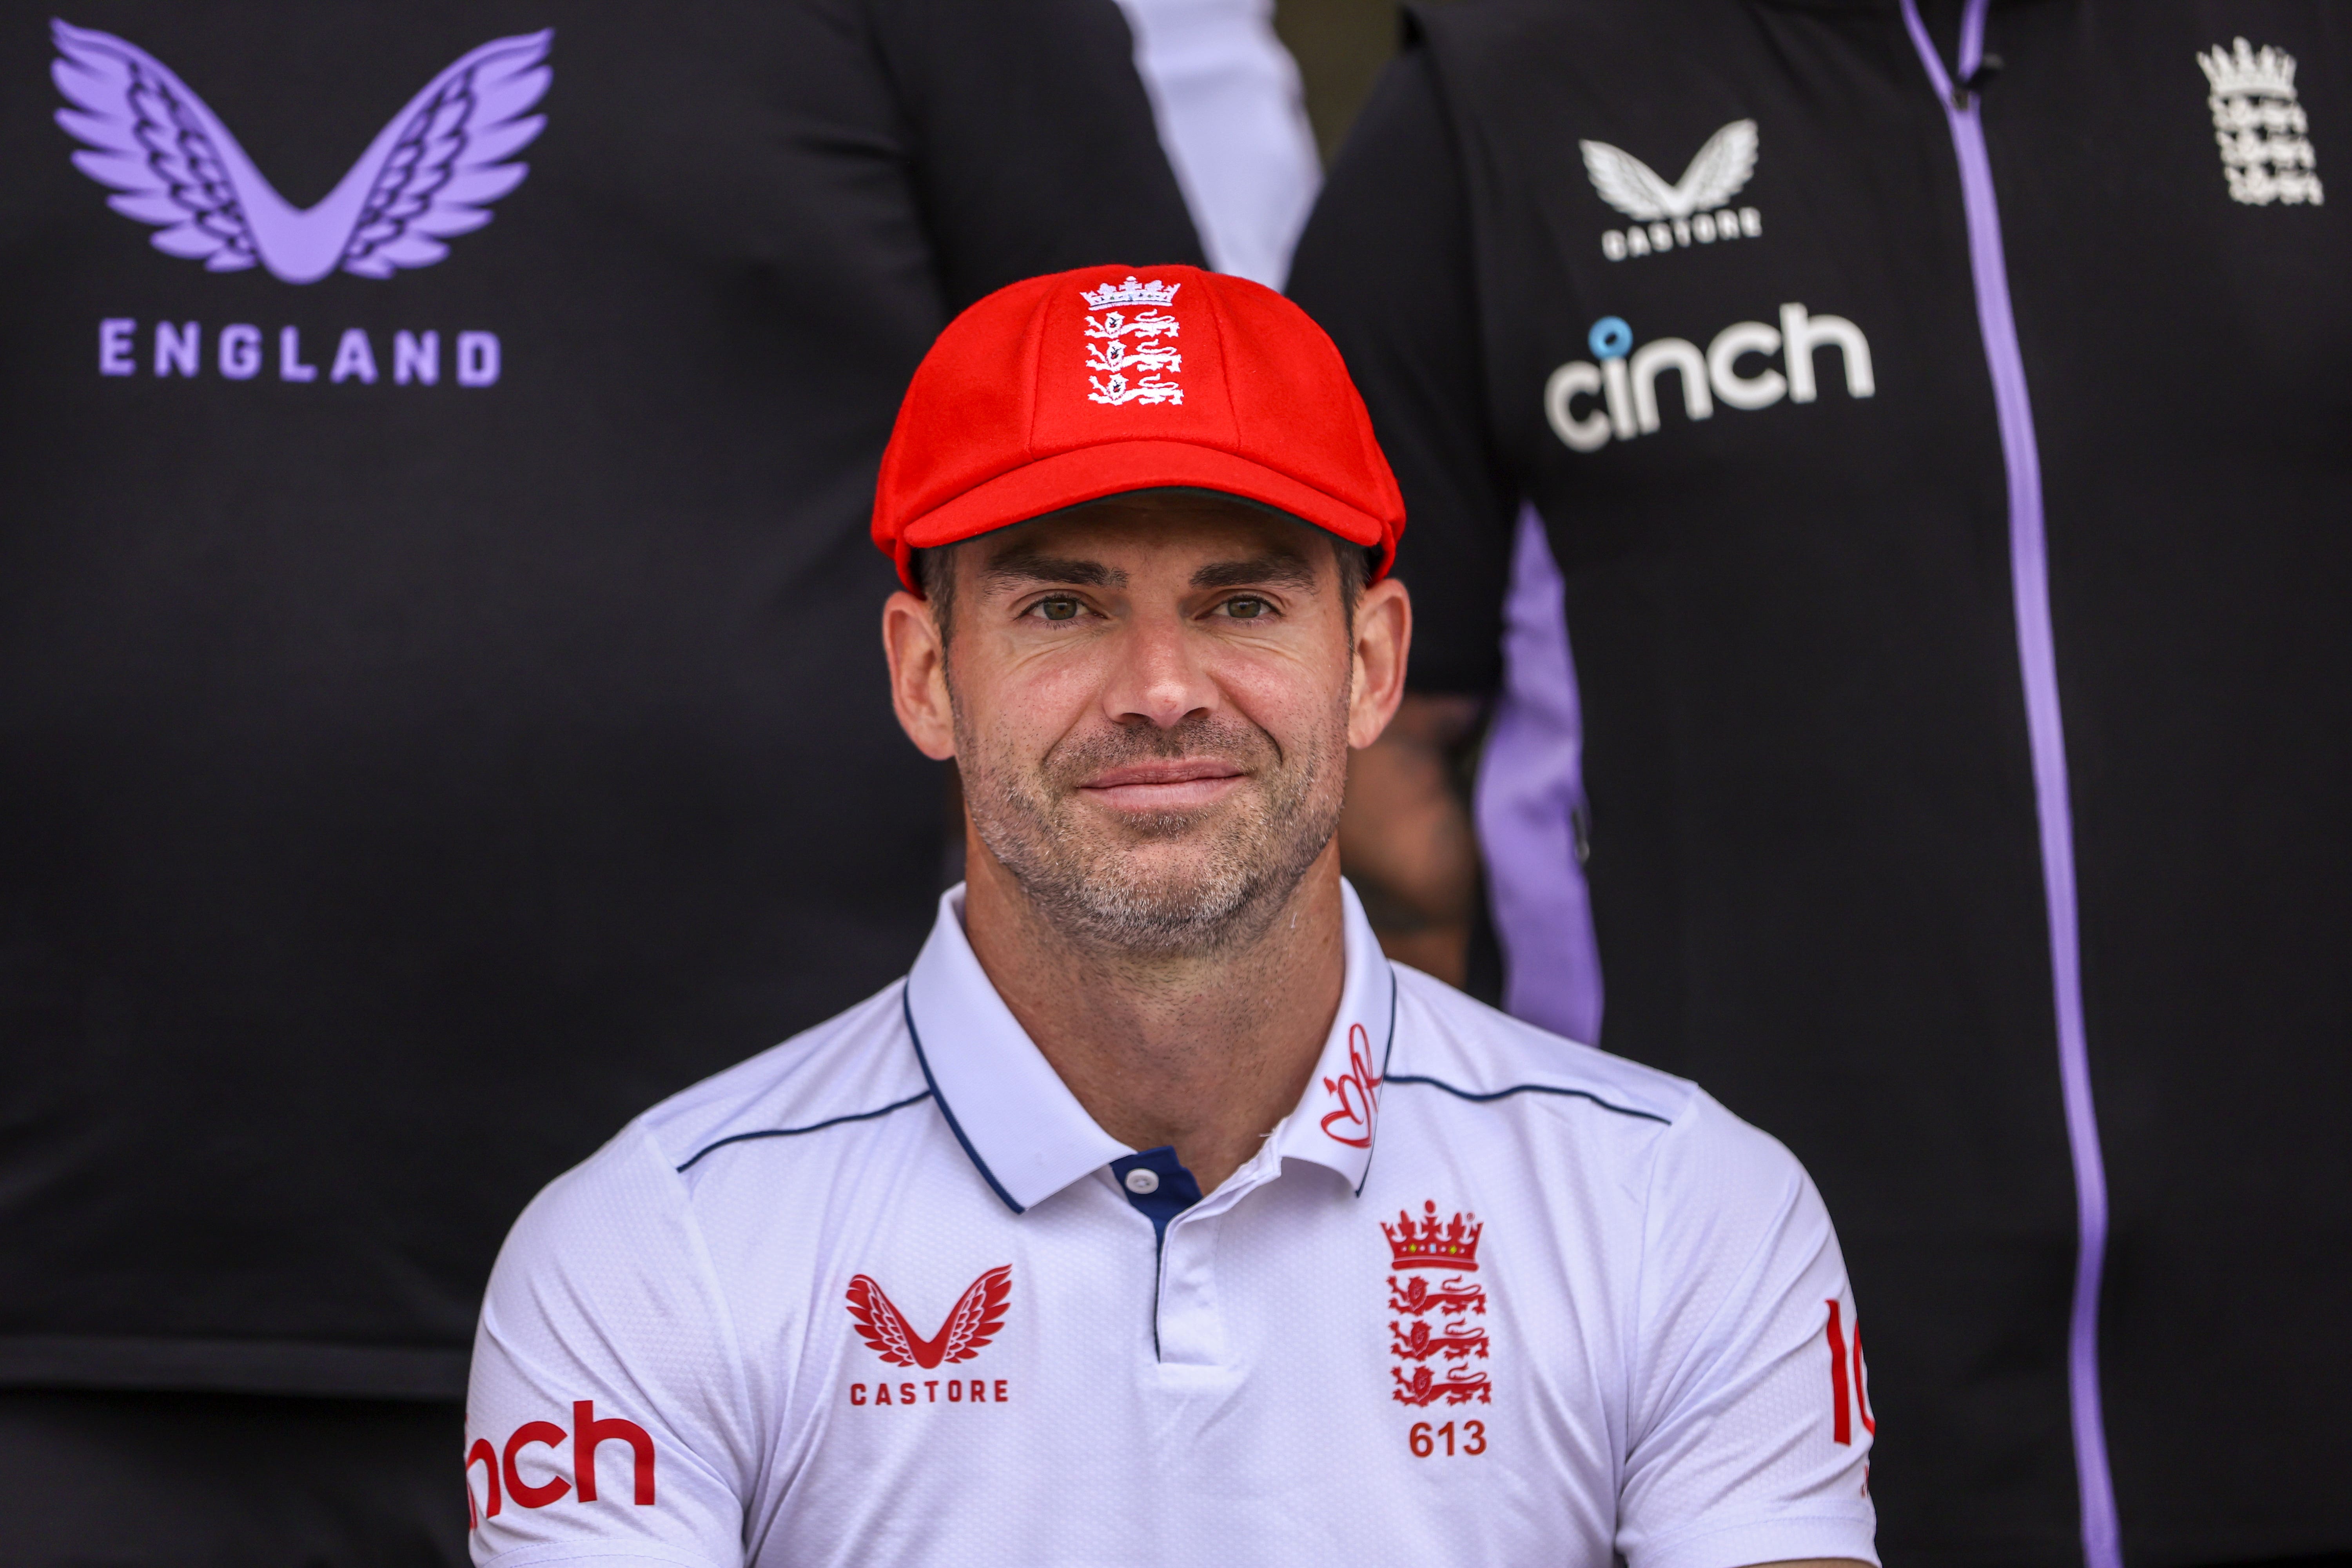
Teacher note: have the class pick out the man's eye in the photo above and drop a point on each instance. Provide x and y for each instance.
(1058, 609)
(1246, 609)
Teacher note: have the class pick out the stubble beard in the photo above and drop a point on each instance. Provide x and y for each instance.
(1086, 878)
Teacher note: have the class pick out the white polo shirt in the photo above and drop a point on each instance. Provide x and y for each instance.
(885, 1294)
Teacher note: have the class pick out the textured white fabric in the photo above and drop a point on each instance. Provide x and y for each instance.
(1226, 96)
(1640, 1357)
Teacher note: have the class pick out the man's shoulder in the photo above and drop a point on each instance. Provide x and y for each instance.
(856, 1066)
(1470, 1054)
(1459, 1045)
(852, 1068)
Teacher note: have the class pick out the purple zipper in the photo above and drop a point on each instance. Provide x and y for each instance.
(2029, 560)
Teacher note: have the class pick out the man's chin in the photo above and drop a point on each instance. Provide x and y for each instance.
(1163, 862)
(1171, 837)
(1164, 897)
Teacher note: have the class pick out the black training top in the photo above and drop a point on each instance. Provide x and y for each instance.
(441, 709)
(1748, 304)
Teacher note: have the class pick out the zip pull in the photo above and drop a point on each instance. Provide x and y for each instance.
(1971, 86)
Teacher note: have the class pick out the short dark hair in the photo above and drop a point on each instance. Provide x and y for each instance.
(1355, 573)
(935, 573)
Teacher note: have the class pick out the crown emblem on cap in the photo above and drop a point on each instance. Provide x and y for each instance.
(1152, 293)
(2246, 73)
(1429, 1245)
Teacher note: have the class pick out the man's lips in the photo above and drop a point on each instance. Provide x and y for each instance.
(1164, 786)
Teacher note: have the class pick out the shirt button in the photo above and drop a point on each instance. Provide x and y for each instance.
(1142, 1180)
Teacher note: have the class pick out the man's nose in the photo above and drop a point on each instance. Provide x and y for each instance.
(1158, 673)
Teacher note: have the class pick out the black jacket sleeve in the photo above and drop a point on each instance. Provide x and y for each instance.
(1386, 266)
(1034, 144)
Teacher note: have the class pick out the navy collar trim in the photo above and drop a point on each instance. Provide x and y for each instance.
(907, 1008)
(1388, 1049)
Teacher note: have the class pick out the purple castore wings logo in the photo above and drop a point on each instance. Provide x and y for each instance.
(430, 174)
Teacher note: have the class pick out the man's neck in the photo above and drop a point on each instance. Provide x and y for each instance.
(1204, 1052)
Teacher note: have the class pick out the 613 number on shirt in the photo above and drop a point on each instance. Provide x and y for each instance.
(1426, 1440)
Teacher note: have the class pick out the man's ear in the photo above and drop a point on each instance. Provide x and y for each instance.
(1383, 638)
(919, 675)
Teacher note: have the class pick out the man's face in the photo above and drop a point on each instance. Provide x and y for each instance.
(1151, 702)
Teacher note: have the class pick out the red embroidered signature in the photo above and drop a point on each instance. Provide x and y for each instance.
(1359, 1092)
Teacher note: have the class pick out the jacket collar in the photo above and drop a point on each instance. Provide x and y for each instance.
(1027, 1134)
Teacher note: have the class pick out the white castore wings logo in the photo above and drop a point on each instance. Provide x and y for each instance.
(431, 173)
(1714, 177)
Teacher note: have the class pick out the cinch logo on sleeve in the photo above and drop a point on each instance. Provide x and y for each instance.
(1622, 387)
(1684, 212)
(1848, 1397)
(502, 1468)
(429, 175)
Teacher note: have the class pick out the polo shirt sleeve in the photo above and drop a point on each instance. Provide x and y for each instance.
(1749, 1425)
(1386, 268)
(609, 1419)
(1033, 143)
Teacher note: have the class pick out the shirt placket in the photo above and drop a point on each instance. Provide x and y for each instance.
(1189, 1319)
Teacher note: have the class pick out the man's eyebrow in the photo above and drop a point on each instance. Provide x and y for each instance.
(1273, 568)
(1024, 567)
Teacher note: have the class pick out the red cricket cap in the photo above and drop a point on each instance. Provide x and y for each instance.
(1068, 388)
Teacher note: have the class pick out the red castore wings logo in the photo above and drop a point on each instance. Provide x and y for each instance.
(975, 1320)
